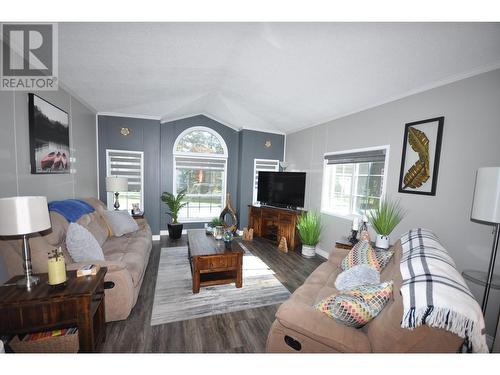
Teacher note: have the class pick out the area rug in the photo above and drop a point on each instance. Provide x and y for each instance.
(174, 300)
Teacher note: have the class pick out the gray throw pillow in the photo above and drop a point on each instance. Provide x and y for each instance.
(361, 274)
(120, 222)
(82, 245)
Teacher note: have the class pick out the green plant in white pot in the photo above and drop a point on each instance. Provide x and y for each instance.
(384, 219)
(309, 227)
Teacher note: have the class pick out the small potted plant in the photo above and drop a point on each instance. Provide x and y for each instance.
(174, 204)
(384, 219)
(217, 227)
(309, 227)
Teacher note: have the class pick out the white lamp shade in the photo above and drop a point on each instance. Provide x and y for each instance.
(116, 184)
(23, 215)
(486, 204)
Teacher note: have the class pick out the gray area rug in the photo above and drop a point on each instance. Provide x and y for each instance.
(174, 300)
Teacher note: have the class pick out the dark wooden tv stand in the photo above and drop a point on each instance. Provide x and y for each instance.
(273, 223)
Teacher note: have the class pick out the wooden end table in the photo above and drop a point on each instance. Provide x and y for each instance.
(212, 262)
(344, 243)
(80, 303)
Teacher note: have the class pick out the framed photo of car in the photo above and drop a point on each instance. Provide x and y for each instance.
(49, 137)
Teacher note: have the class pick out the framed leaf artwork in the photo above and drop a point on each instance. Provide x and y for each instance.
(420, 159)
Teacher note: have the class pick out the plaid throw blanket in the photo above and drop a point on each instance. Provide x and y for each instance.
(434, 292)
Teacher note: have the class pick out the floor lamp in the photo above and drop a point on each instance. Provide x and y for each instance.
(486, 208)
(22, 216)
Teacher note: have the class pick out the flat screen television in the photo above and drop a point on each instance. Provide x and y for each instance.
(281, 189)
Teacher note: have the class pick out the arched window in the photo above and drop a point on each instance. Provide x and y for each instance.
(200, 167)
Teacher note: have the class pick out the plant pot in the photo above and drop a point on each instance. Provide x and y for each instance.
(308, 251)
(382, 242)
(175, 231)
(218, 232)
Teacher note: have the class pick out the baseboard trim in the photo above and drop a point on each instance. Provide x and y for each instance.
(156, 237)
(322, 253)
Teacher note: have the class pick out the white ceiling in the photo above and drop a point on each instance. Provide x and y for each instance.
(277, 77)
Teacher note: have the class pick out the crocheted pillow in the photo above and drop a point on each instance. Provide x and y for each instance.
(363, 253)
(357, 306)
(361, 274)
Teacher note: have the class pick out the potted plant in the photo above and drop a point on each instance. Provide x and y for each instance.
(309, 227)
(217, 226)
(384, 219)
(174, 204)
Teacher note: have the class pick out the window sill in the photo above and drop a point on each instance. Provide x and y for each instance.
(348, 217)
(201, 220)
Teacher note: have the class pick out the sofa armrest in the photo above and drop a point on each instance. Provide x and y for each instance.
(113, 266)
(318, 326)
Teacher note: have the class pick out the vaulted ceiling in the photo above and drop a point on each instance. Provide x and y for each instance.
(277, 77)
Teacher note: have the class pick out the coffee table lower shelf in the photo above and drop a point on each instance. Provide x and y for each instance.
(205, 275)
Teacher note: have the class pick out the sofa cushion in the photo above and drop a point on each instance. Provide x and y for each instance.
(120, 222)
(94, 225)
(304, 319)
(132, 251)
(357, 306)
(82, 245)
(363, 253)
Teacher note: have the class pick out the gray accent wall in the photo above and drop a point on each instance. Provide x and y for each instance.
(470, 140)
(252, 146)
(157, 141)
(144, 136)
(169, 133)
(15, 169)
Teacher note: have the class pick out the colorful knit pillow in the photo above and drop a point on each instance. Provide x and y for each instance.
(363, 253)
(356, 307)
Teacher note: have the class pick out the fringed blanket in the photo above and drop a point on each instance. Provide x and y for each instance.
(434, 293)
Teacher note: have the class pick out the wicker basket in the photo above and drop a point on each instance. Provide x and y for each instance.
(56, 344)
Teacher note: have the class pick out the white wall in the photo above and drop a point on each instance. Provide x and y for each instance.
(471, 137)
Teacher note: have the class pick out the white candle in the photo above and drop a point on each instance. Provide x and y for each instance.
(355, 224)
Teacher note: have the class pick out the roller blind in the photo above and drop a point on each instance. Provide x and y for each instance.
(185, 162)
(356, 157)
(126, 164)
(262, 165)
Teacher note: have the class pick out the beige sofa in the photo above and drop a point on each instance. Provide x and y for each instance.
(126, 257)
(300, 328)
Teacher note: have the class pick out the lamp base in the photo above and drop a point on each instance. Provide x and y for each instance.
(117, 204)
(28, 282)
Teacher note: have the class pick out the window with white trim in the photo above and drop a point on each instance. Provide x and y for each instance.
(354, 181)
(264, 165)
(128, 164)
(200, 167)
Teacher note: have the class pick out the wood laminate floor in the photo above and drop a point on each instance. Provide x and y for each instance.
(237, 332)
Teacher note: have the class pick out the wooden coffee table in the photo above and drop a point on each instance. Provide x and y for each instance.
(212, 262)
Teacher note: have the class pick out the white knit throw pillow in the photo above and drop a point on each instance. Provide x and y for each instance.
(361, 274)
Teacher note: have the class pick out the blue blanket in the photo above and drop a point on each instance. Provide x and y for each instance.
(71, 209)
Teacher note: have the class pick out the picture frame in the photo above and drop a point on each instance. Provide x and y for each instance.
(49, 137)
(420, 156)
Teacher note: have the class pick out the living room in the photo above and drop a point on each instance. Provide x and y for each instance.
(186, 160)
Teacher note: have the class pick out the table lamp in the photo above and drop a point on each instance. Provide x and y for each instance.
(22, 216)
(116, 184)
(486, 208)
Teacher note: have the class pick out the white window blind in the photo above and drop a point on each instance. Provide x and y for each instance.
(128, 164)
(262, 165)
(354, 181)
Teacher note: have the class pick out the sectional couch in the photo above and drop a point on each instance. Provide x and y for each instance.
(126, 257)
(300, 328)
